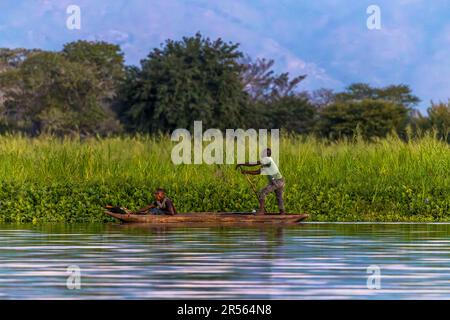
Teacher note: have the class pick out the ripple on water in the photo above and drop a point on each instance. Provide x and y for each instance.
(313, 261)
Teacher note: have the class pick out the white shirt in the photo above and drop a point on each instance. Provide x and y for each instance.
(269, 168)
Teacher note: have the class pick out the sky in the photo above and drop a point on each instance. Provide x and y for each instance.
(328, 40)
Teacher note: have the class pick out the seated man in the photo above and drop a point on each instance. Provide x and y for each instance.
(161, 205)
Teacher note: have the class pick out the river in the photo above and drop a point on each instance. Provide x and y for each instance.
(309, 261)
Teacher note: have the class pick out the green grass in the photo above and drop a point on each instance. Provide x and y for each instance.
(51, 180)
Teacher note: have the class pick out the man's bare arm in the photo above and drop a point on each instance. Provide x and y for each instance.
(150, 206)
(171, 209)
(252, 172)
(248, 164)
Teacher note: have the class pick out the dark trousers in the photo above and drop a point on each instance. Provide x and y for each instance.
(276, 186)
(157, 211)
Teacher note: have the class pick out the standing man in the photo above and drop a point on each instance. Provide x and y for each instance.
(276, 183)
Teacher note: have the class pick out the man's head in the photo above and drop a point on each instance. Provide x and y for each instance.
(266, 153)
(160, 194)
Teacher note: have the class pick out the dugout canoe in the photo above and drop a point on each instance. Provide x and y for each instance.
(211, 218)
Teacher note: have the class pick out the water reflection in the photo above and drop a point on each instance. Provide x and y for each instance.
(313, 261)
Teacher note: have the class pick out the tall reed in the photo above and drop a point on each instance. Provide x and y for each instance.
(49, 179)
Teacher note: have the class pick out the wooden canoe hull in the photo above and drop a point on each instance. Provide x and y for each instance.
(210, 218)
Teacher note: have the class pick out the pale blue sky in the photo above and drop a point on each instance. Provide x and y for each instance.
(326, 39)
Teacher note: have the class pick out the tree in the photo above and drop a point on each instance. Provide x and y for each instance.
(106, 61)
(13, 58)
(294, 113)
(375, 111)
(439, 119)
(322, 97)
(397, 94)
(274, 100)
(373, 118)
(10, 59)
(48, 93)
(261, 82)
(187, 80)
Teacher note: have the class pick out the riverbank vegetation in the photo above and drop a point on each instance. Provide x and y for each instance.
(49, 179)
(79, 129)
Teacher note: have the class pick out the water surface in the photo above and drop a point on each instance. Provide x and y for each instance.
(311, 261)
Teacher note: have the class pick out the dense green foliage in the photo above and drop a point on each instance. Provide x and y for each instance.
(188, 80)
(63, 93)
(85, 92)
(54, 180)
(86, 89)
(373, 118)
(396, 94)
(439, 119)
